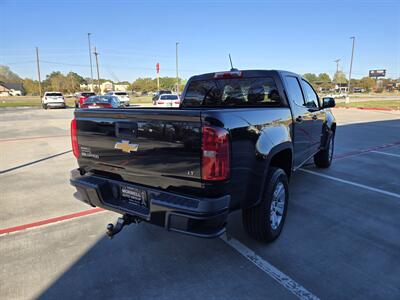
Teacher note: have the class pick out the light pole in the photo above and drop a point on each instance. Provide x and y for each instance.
(351, 66)
(90, 58)
(337, 70)
(98, 73)
(177, 74)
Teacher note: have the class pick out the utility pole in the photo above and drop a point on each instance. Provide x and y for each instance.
(97, 65)
(90, 58)
(38, 71)
(337, 64)
(337, 69)
(177, 74)
(351, 66)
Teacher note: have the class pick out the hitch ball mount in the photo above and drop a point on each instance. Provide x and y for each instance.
(121, 222)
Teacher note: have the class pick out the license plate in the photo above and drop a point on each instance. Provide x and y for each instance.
(134, 196)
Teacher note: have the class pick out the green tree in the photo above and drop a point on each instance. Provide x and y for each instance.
(73, 82)
(339, 77)
(367, 83)
(31, 87)
(144, 84)
(311, 77)
(324, 77)
(6, 75)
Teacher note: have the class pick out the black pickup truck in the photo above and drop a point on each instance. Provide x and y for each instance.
(232, 144)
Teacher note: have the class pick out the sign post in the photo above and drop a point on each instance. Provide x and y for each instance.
(158, 75)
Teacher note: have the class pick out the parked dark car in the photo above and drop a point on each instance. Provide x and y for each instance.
(81, 98)
(101, 102)
(232, 144)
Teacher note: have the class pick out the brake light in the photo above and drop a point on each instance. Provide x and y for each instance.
(74, 138)
(177, 102)
(230, 74)
(160, 102)
(215, 164)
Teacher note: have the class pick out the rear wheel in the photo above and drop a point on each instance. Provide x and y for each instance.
(44, 106)
(323, 158)
(264, 222)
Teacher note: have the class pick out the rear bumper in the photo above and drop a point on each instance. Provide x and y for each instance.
(55, 104)
(201, 217)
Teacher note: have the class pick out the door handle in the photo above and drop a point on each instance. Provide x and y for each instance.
(315, 117)
(299, 119)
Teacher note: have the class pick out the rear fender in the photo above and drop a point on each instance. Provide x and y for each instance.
(272, 140)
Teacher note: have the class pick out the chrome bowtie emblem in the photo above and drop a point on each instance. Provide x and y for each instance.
(125, 146)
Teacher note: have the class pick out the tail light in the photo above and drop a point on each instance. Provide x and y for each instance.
(160, 102)
(177, 102)
(215, 164)
(45, 98)
(81, 99)
(74, 138)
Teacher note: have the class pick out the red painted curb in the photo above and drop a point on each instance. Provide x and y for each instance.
(51, 220)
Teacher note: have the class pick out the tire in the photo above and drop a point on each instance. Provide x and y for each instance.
(264, 222)
(76, 105)
(44, 106)
(323, 159)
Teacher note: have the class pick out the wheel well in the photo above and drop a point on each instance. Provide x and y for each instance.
(283, 160)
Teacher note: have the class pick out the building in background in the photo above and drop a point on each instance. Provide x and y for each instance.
(121, 87)
(11, 89)
(104, 87)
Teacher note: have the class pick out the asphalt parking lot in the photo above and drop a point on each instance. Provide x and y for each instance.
(341, 238)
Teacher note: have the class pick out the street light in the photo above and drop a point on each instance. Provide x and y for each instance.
(177, 74)
(90, 58)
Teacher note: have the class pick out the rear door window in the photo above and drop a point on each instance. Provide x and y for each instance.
(310, 96)
(294, 90)
(233, 92)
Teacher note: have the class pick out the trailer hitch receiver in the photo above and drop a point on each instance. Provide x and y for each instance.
(121, 222)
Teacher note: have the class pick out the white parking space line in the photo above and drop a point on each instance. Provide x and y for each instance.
(370, 188)
(385, 153)
(269, 269)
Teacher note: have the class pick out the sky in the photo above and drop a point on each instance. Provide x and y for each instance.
(132, 36)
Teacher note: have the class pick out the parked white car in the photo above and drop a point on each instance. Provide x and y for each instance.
(53, 99)
(123, 97)
(168, 100)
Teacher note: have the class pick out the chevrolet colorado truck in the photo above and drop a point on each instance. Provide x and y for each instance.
(232, 144)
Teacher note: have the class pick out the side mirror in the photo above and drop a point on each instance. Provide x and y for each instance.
(328, 102)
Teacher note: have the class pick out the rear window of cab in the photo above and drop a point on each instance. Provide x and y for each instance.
(232, 92)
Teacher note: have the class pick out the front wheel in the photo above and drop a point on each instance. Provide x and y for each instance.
(264, 222)
(323, 159)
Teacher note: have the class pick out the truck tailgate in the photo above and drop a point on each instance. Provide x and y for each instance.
(159, 148)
